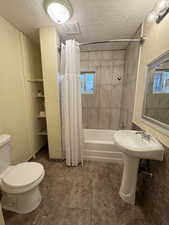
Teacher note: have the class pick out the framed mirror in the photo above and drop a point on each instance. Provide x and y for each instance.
(156, 96)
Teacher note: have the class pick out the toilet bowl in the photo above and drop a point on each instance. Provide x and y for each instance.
(20, 183)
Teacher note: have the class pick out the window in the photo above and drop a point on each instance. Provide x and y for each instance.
(161, 82)
(87, 82)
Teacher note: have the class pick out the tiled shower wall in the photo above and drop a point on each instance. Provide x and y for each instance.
(101, 110)
(129, 83)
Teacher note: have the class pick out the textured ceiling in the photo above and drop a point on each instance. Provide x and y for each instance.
(98, 19)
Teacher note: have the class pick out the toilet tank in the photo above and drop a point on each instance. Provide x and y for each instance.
(5, 149)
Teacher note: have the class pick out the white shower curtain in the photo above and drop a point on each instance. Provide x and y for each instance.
(72, 132)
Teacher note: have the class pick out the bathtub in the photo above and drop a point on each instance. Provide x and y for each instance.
(99, 146)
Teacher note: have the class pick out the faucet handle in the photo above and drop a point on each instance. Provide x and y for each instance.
(140, 132)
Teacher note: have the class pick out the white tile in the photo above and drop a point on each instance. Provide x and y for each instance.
(107, 55)
(106, 96)
(93, 100)
(93, 65)
(84, 66)
(102, 110)
(106, 75)
(118, 54)
(84, 56)
(115, 119)
(92, 118)
(84, 117)
(116, 96)
(92, 56)
(96, 55)
(84, 100)
(104, 118)
(98, 76)
(106, 62)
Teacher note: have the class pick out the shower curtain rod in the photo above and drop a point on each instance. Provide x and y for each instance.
(141, 40)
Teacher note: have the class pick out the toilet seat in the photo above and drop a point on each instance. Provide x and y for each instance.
(22, 177)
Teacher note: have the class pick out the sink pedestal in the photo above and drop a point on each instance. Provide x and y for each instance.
(129, 179)
(1, 216)
(135, 146)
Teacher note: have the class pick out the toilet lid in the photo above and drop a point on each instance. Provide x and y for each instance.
(23, 174)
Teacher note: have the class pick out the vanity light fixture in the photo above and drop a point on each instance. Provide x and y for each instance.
(152, 16)
(160, 11)
(59, 11)
(163, 11)
(162, 5)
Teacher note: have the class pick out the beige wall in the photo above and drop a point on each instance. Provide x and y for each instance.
(101, 110)
(157, 43)
(13, 96)
(49, 41)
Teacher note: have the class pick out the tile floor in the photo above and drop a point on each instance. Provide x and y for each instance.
(80, 196)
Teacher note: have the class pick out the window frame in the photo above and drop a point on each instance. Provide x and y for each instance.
(94, 75)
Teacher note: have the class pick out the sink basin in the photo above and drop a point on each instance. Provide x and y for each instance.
(135, 147)
(132, 143)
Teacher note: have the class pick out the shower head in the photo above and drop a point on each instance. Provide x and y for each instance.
(118, 78)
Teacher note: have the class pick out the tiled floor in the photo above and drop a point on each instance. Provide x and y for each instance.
(80, 196)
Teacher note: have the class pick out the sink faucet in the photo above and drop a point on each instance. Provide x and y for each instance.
(144, 135)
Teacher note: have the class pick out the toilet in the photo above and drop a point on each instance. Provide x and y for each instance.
(19, 183)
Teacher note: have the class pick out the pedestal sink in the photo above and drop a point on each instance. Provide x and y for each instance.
(135, 146)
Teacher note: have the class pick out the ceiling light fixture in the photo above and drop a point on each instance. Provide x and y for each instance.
(59, 11)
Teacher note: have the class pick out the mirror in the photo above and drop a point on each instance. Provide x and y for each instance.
(156, 99)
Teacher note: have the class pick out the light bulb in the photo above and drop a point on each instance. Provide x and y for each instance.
(162, 5)
(152, 16)
(58, 12)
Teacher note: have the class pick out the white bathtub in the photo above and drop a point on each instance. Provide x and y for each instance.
(99, 145)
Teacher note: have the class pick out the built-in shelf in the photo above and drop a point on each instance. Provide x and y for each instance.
(35, 80)
(43, 133)
(39, 117)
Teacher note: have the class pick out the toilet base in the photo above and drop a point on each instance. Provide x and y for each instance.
(22, 203)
